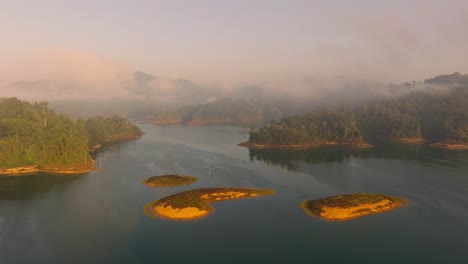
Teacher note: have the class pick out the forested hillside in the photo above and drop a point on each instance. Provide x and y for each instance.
(33, 135)
(430, 116)
(102, 129)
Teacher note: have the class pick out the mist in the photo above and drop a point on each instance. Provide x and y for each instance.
(298, 50)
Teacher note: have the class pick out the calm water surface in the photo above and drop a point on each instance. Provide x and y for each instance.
(98, 217)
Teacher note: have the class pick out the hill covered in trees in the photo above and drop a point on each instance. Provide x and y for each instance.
(439, 118)
(101, 129)
(34, 138)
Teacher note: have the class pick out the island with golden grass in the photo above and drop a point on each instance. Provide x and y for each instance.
(195, 204)
(349, 206)
(451, 144)
(169, 180)
(49, 169)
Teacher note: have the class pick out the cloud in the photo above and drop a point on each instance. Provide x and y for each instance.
(150, 87)
(66, 74)
(63, 74)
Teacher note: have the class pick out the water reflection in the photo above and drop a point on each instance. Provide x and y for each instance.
(25, 187)
(382, 150)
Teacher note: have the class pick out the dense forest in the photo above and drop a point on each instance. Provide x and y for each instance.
(435, 116)
(31, 134)
(101, 129)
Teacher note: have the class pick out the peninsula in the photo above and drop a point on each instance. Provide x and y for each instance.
(35, 139)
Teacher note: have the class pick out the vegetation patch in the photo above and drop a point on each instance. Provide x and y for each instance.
(169, 180)
(349, 206)
(196, 203)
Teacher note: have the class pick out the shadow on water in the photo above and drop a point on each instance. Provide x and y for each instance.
(382, 150)
(25, 187)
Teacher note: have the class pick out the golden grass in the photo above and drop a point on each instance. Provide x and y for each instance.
(349, 206)
(196, 203)
(169, 180)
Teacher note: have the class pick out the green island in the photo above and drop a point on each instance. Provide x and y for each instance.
(35, 139)
(439, 119)
(349, 206)
(169, 180)
(195, 204)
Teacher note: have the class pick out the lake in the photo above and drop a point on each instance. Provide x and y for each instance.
(98, 217)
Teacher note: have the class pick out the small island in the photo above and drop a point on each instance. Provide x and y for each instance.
(169, 180)
(349, 206)
(196, 203)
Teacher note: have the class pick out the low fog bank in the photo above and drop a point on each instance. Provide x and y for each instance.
(149, 95)
(81, 84)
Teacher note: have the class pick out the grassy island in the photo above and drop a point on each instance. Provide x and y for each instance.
(349, 206)
(196, 203)
(169, 180)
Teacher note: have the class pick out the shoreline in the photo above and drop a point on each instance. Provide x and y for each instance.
(360, 145)
(115, 138)
(120, 137)
(446, 144)
(164, 122)
(451, 145)
(65, 170)
(50, 169)
(210, 122)
(414, 141)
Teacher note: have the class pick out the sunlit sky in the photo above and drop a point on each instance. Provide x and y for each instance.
(229, 42)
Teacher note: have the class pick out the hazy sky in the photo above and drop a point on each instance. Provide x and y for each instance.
(232, 42)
